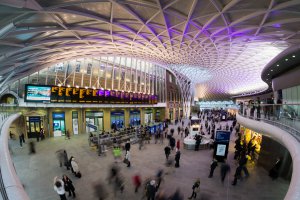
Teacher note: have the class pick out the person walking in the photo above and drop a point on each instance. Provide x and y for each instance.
(178, 144)
(237, 175)
(75, 167)
(178, 130)
(137, 182)
(151, 190)
(69, 187)
(225, 168)
(127, 146)
(159, 178)
(22, 139)
(167, 152)
(127, 159)
(213, 166)
(31, 147)
(66, 160)
(196, 188)
(172, 142)
(59, 188)
(177, 158)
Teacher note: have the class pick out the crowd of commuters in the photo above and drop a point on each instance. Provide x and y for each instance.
(170, 141)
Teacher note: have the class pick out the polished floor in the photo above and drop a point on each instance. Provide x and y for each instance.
(37, 172)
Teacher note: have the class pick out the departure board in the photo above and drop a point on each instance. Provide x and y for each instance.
(62, 94)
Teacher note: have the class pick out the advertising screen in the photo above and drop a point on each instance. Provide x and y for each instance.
(222, 136)
(62, 94)
(37, 93)
(221, 150)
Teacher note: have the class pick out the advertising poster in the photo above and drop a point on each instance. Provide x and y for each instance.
(75, 126)
(38, 93)
(221, 150)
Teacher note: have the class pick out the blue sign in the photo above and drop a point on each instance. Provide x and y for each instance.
(222, 136)
(92, 126)
(117, 113)
(58, 115)
(34, 119)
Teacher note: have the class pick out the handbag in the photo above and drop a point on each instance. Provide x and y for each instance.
(125, 161)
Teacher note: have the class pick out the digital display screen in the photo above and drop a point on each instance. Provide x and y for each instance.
(221, 150)
(62, 94)
(222, 136)
(37, 93)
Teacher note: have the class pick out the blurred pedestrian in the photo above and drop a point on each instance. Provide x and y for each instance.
(100, 191)
(127, 159)
(178, 144)
(167, 152)
(225, 168)
(68, 184)
(66, 160)
(59, 188)
(196, 189)
(151, 190)
(136, 182)
(60, 156)
(213, 166)
(177, 158)
(159, 178)
(32, 147)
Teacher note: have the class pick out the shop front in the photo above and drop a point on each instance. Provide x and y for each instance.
(135, 118)
(252, 140)
(148, 116)
(59, 125)
(117, 119)
(93, 118)
(157, 115)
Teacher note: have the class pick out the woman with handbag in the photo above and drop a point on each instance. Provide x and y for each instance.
(69, 187)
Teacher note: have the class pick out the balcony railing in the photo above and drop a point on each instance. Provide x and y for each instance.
(10, 185)
(284, 116)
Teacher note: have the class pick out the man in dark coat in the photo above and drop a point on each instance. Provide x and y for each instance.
(225, 168)
(172, 142)
(151, 190)
(177, 158)
(127, 146)
(167, 152)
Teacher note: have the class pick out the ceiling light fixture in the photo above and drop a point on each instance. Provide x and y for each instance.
(286, 59)
(294, 56)
(277, 65)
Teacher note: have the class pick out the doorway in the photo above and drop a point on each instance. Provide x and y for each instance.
(59, 127)
(34, 125)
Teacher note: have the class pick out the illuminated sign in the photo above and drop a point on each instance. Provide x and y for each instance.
(61, 94)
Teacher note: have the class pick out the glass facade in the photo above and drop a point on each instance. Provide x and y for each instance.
(117, 73)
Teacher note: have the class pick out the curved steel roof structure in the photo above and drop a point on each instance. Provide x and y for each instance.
(221, 45)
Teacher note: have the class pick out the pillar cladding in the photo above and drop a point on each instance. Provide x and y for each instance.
(187, 92)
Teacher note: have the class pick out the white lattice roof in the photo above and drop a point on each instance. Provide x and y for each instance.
(223, 45)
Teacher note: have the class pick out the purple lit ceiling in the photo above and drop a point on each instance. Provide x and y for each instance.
(221, 45)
